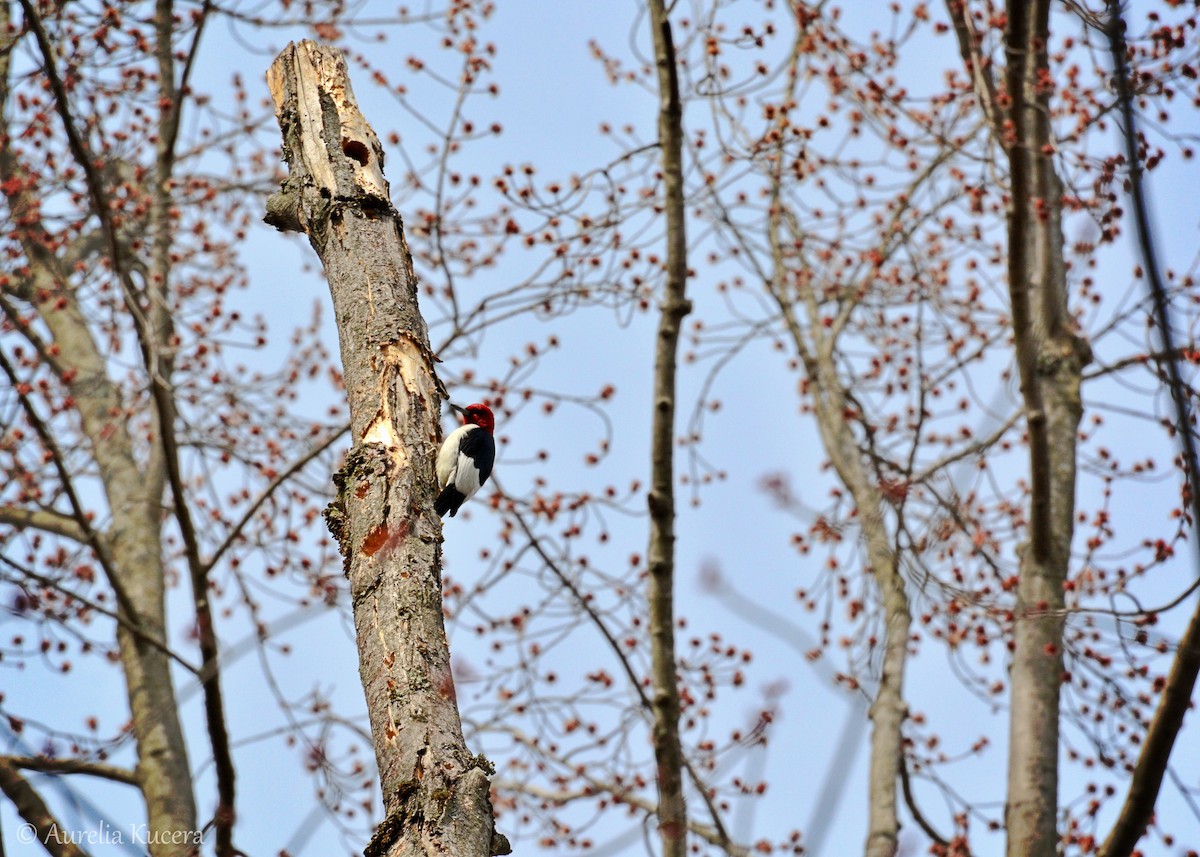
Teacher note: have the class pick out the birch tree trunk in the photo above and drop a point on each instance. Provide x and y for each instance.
(436, 794)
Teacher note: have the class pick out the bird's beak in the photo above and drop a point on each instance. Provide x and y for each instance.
(455, 407)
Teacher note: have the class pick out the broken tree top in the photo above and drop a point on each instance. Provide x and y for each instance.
(331, 150)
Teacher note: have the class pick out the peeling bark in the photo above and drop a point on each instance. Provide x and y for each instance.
(436, 794)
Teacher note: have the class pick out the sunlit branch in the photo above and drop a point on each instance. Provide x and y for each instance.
(46, 520)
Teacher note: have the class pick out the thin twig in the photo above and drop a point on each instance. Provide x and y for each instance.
(634, 682)
(1146, 783)
(283, 476)
(911, 802)
(115, 615)
(47, 765)
(98, 546)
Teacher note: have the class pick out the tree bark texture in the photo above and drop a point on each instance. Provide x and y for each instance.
(888, 709)
(1050, 359)
(668, 752)
(436, 794)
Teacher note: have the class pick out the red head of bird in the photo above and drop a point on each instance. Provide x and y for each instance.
(478, 414)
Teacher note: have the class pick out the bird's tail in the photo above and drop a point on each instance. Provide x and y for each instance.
(449, 501)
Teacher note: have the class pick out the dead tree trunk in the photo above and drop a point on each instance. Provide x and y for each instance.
(436, 794)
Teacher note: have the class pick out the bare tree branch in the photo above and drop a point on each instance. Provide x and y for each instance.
(635, 683)
(46, 520)
(162, 752)
(74, 766)
(1050, 359)
(268, 491)
(708, 833)
(116, 615)
(1146, 783)
(978, 66)
(672, 815)
(911, 802)
(815, 348)
(49, 832)
(91, 537)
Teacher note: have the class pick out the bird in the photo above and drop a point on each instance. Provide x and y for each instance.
(465, 460)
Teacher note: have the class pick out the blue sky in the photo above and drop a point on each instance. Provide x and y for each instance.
(553, 98)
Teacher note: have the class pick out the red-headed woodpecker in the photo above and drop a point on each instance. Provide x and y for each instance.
(465, 460)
